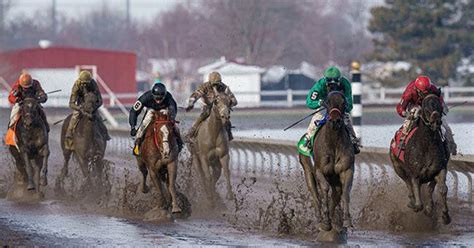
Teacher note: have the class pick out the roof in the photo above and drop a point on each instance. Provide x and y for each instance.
(77, 49)
(230, 67)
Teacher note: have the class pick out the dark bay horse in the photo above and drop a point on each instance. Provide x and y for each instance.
(89, 142)
(32, 135)
(426, 159)
(211, 150)
(333, 155)
(158, 156)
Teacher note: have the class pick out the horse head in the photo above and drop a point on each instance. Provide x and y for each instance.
(431, 111)
(29, 111)
(89, 105)
(335, 104)
(221, 106)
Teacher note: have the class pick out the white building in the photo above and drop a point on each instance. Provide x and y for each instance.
(244, 80)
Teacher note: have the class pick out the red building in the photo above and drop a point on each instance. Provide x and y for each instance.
(116, 68)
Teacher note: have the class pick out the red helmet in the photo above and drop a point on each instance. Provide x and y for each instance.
(423, 83)
(25, 80)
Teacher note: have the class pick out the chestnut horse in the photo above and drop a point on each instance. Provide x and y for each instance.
(158, 156)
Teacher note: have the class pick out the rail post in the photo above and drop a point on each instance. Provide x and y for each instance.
(356, 84)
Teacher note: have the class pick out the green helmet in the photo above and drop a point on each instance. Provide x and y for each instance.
(332, 74)
(215, 78)
(85, 76)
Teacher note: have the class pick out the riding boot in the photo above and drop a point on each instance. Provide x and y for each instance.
(136, 147)
(179, 140)
(43, 116)
(104, 130)
(229, 130)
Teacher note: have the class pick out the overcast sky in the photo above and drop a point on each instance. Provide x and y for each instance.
(140, 9)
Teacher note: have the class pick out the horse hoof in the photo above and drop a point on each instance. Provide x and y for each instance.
(44, 181)
(428, 211)
(347, 223)
(30, 186)
(418, 208)
(145, 189)
(446, 218)
(176, 210)
(325, 227)
(230, 196)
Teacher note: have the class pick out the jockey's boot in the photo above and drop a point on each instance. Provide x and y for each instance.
(356, 144)
(43, 116)
(453, 148)
(136, 147)
(179, 140)
(229, 130)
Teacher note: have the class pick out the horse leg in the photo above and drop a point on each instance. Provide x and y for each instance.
(144, 171)
(416, 191)
(411, 196)
(325, 224)
(207, 178)
(336, 192)
(172, 171)
(224, 161)
(159, 188)
(44, 165)
(83, 164)
(443, 191)
(311, 183)
(36, 168)
(29, 171)
(346, 179)
(429, 206)
(67, 156)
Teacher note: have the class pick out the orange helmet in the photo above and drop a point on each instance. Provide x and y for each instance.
(422, 83)
(25, 80)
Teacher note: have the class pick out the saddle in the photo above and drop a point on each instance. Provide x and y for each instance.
(398, 143)
(319, 124)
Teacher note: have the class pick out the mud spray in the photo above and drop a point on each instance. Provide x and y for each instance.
(274, 205)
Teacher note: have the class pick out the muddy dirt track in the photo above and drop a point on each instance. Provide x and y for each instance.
(267, 212)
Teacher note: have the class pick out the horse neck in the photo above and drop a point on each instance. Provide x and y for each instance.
(86, 127)
(214, 121)
(425, 130)
(334, 137)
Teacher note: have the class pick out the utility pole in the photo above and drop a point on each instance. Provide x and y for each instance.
(53, 20)
(127, 9)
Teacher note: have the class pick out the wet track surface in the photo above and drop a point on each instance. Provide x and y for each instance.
(79, 218)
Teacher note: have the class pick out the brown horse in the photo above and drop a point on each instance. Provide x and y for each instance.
(89, 142)
(211, 150)
(158, 156)
(333, 155)
(33, 150)
(426, 159)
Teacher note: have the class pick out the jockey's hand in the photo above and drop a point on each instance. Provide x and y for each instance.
(133, 132)
(404, 113)
(188, 108)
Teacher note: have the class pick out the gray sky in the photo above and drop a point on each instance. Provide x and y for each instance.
(140, 9)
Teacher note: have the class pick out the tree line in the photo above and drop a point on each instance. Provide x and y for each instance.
(433, 35)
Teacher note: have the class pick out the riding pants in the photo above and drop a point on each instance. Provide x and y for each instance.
(312, 128)
(72, 123)
(148, 119)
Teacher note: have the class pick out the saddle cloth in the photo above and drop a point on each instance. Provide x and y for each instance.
(397, 145)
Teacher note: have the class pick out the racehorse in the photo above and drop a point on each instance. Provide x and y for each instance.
(333, 155)
(89, 142)
(426, 159)
(211, 149)
(33, 150)
(158, 156)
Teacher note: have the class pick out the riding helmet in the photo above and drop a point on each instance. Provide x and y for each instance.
(332, 74)
(158, 91)
(85, 76)
(423, 83)
(25, 80)
(215, 78)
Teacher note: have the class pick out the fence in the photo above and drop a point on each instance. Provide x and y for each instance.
(278, 159)
(277, 98)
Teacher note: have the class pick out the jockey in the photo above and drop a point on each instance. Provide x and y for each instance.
(410, 105)
(156, 99)
(84, 84)
(25, 87)
(332, 80)
(208, 91)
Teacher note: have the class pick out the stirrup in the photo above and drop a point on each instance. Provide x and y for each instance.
(136, 150)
